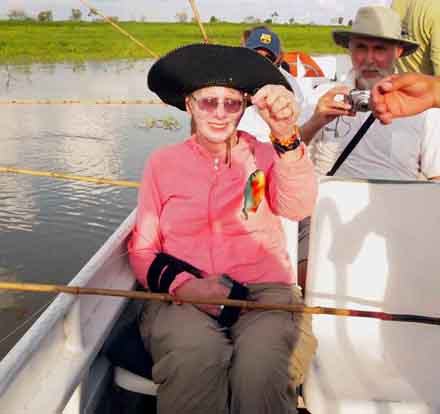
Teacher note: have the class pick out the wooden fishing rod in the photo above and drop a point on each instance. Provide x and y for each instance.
(93, 10)
(96, 180)
(81, 102)
(199, 20)
(244, 304)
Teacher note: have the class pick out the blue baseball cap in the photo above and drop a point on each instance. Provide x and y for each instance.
(264, 39)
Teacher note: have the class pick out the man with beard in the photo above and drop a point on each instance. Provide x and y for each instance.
(405, 150)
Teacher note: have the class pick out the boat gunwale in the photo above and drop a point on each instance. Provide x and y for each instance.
(20, 356)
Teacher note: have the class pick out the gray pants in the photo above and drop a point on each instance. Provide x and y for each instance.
(202, 368)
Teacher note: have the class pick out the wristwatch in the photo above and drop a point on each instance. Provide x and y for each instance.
(226, 280)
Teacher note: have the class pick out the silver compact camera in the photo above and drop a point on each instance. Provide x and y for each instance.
(359, 100)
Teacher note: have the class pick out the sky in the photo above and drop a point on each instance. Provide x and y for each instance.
(317, 11)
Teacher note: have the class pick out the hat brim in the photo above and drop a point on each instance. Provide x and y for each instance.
(189, 68)
(342, 38)
(264, 47)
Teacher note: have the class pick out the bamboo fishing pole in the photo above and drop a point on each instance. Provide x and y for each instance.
(93, 10)
(96, 180)
(244, 304)
(199, 20)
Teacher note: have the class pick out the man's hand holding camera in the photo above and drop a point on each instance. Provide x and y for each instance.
(327, 109)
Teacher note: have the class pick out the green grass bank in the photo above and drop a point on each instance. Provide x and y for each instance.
(29, 42)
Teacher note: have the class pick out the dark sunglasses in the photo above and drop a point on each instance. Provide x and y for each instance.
(210, 104)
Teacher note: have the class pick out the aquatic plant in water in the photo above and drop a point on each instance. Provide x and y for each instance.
(169, 123)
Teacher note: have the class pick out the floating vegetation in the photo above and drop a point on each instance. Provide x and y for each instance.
(169, 123)
(9, 77)
(79, 67)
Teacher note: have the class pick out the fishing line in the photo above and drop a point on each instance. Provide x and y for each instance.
(26, 321)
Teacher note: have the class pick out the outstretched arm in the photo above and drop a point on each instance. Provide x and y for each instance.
(404, 95)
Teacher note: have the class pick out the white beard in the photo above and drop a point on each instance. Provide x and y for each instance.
(367, 84)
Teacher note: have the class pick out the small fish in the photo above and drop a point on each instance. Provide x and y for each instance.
(253, 192)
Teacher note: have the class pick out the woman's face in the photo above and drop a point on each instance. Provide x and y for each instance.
(215, 111)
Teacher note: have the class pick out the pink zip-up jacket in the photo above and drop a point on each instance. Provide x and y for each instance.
(190, 206)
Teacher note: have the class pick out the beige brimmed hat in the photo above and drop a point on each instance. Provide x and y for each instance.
(377, 22)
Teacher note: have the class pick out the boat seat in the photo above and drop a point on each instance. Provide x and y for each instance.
(124, 348)
(374, 246)
(132, 382)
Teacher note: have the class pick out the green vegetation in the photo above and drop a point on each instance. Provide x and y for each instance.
(27, 42)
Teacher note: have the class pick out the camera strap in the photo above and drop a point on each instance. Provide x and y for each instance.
(352, 144)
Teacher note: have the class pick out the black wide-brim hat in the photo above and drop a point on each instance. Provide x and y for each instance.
(186, 69)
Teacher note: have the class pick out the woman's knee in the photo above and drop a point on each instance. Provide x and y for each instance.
(260, 369)
(204, 356)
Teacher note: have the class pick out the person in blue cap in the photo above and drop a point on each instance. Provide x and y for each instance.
(268, 44)
(265, 42)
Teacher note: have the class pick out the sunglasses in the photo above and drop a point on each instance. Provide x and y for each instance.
(210, 104)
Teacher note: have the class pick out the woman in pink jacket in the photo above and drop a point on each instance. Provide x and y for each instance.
(208, 226)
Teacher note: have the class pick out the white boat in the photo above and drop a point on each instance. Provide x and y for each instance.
(55, 367)
(374, 246)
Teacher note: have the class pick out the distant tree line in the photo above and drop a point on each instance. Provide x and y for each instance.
(181, 17)
(76, 15)
(42, 16)
(18, 14)
(47, 16)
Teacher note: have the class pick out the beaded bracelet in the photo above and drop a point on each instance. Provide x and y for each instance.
(286, 144)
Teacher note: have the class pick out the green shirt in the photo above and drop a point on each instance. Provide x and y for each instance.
(421, 20)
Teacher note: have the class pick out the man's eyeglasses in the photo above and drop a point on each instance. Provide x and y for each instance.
(210, 104)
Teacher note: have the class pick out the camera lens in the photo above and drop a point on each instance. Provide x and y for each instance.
(363, 106)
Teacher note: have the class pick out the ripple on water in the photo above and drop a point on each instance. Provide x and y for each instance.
(49, 228)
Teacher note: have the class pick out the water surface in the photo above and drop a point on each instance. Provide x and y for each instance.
(49, 228)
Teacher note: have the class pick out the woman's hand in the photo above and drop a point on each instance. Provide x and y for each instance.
(206, 288)
(278, 107)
